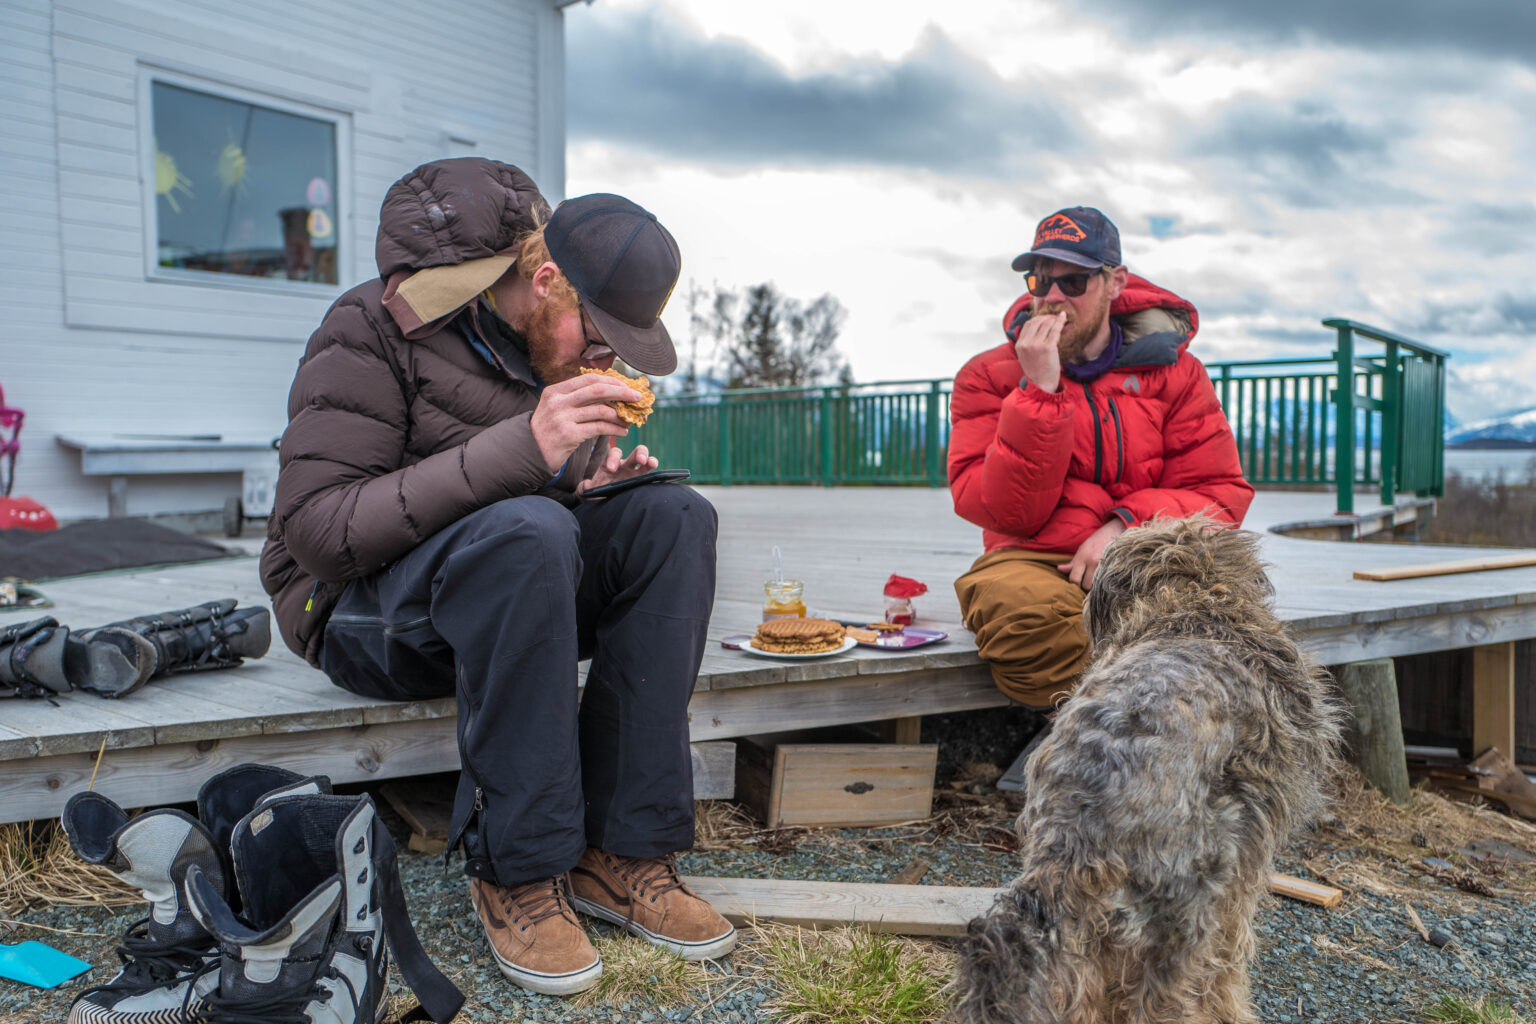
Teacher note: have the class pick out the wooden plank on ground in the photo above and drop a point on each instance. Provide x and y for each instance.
(1520, 805)
(426, 805)
(897, 909)
(1308, 892)
(1408, 572)
(1498, 774)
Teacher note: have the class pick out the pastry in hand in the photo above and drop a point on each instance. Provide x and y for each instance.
(632, 413)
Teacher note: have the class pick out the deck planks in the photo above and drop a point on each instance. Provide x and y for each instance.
(844, 543)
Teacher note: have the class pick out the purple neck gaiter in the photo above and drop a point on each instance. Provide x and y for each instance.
(1095, 368)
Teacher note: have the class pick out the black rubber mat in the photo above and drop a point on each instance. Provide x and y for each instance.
(97, 545)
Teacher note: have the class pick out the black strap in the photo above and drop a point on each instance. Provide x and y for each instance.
(440, 999)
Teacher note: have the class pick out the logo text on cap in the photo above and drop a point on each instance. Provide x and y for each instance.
(1058, 228)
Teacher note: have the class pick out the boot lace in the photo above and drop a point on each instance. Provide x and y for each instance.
(150, 964)
(648, 875)
(536, 901)
(282, 1008)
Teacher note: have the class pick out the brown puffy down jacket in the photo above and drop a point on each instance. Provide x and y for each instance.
(390, 439)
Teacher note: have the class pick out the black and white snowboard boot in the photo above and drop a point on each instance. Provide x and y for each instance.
(164, 955)
(320, 891)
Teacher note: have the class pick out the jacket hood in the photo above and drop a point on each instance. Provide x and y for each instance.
(1158, 325)
(450, 211)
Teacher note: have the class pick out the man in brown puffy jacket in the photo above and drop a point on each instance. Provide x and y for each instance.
(430, 537)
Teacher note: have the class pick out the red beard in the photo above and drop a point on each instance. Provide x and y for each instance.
(543, 349)
(1082, 326)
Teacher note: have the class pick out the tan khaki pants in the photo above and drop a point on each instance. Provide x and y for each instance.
(1028, 621)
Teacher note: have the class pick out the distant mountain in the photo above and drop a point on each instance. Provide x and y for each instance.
(1512, 430)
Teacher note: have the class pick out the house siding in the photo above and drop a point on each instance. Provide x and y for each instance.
(93, 345)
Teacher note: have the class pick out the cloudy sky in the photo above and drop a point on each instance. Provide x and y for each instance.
(1274, 164)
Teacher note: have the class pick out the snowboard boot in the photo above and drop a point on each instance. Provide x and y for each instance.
(32, 658)
(321, 891)
(164, 953)
(108, 662)
(206, 636)
(42, 659)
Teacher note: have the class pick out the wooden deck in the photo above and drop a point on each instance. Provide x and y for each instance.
(157, 745)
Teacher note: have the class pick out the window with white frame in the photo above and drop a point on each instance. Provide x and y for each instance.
(242, 187)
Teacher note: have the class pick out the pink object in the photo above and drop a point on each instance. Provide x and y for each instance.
(19, 513)
(901, 586)
(899, 592)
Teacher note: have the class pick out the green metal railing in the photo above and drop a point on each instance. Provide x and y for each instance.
(1404, 395)
(892, 432)
(1279, 414)
(1290, 427)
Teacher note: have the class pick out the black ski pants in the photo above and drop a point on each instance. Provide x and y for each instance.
(497, 609)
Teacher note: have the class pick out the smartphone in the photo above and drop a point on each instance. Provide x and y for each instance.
(655, 476)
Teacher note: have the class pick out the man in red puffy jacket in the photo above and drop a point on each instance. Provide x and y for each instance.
(1092, 417)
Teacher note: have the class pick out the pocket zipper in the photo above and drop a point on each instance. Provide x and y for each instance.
(388, 627)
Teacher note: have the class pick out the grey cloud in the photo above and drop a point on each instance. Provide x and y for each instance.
(1495, 28)
(1296, 343)
(645, 79)
(1216, 297)
(1301, 152)
(1506, 313)
(1490, 230)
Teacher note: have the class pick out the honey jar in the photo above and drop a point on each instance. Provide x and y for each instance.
(783, 599)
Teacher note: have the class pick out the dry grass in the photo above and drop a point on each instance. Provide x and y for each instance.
(1486, 512)
(636, 971)
(849, 976)
(1430, 825)
(1456, 1010)
(721, 825)
(37, 868)
(970, 811)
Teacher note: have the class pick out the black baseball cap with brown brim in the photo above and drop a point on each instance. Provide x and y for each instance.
(623, 265)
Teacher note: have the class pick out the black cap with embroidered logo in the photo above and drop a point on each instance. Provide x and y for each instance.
(623, 265)
(1079, 235)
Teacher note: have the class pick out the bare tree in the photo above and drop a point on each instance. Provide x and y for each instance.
(764, 338)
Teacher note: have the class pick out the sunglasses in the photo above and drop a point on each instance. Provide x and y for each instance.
(596, 348)
(1071, 285)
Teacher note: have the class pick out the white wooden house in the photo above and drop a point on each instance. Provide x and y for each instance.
(186, 186)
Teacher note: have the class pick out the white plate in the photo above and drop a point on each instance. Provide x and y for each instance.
(849, 643)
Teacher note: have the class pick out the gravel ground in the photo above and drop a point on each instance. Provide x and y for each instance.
(1361, 961)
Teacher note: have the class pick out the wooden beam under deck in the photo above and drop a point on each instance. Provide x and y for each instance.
(1493, 698)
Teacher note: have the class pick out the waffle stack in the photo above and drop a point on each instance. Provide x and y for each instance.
(798, 636)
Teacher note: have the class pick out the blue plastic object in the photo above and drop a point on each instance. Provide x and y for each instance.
(37, 963)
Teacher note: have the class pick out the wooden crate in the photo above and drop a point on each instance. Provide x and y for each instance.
(786, 783)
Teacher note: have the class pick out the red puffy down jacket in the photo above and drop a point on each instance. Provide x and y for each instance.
(1043, 471)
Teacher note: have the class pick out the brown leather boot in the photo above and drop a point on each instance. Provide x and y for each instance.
(647, 898)
(535, 936)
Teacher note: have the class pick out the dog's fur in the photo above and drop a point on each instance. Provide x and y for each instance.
(1199, 739)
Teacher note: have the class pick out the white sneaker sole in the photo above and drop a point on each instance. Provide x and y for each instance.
(705, 949)
(565, 984)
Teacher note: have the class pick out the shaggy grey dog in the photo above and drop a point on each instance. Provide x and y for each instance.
(1199, 738)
